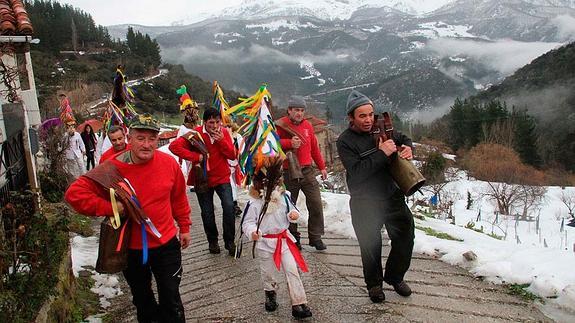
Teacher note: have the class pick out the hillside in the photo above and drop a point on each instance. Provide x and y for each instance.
(539, 98)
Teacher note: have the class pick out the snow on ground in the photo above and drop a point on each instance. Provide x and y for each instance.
(548, 270)
(438, 29)
(84, 255)
(281, 23)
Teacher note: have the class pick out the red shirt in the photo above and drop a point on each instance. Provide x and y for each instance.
(309, 148)
(108, 154)
(160, 188)
(218, 154)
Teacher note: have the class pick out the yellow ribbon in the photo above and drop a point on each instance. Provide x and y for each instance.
(115, 220)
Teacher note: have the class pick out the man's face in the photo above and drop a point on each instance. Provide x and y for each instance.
(362, 118)
(213, 125)
(118, 140)
(296, 114)
(143, 143)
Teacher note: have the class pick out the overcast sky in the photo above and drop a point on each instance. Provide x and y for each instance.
(147, 12)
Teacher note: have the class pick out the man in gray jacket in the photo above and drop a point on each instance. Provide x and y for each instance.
(375, 198)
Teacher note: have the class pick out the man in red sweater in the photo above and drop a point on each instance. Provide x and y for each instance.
(118, 140)
(296, 134)
(161, 190)
(220, 148)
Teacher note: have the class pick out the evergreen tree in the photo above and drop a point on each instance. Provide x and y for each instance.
(525, 143)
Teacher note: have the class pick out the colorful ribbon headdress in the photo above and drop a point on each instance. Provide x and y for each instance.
(261, 146)
(220, 104)
(185, 99)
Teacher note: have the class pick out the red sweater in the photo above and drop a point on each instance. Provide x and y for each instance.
(309, 148)
(219, 153)
(161, 190)
(111, 153)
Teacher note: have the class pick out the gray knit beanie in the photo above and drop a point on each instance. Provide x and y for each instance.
(296, 101)
(356, 99)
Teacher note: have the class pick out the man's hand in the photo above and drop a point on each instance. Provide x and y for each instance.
(406, 152)
(323, 174)
(293, 215)
(120, 207)
(185, 239)
(217, 135)
(201, 159)
(295, 142)
(255, 236)
(387, 146)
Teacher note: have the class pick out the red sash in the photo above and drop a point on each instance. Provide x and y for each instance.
(292, 247)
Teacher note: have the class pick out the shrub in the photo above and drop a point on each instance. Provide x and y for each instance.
(32, 247)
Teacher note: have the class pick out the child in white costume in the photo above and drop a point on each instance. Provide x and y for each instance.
(276, 246)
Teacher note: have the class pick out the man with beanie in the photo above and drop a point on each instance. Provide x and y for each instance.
(297, 135)
(375, 198)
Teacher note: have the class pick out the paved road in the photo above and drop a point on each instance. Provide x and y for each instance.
(219, 288)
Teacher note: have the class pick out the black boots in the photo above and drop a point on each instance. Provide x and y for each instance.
(402, 288)
(271, 303)
(376, 294)
(297, 311)
(300, 311)
(318, 244)
(214, 247)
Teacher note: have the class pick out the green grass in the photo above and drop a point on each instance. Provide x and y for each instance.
(495, 236)
(520, 290)
(80, 224)
(439, 235)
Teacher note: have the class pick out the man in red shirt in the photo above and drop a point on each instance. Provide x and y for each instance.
(118, 140)
(297, 134)
(160, 188)
(220, 148)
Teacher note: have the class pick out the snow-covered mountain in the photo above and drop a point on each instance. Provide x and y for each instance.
(322, 9)
(403, 61)
(344, 9)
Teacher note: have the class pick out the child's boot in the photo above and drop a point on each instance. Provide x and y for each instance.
(271, 303)
(300, 311)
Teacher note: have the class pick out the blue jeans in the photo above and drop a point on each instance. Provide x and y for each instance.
(206, 201)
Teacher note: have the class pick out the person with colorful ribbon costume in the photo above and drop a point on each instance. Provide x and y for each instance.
(276, 246)
(155, 184)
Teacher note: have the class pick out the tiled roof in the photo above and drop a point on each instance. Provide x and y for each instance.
(169, 134)
(14, 19)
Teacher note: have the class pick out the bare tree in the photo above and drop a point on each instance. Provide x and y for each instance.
(531, 198)
(569, 201)
(505, 195)
(500, 132)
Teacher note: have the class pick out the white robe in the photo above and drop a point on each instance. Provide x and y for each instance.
(275, 221)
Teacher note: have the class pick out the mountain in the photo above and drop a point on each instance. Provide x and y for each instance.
(531, 20)
(322, 9)
(404, 61)
(545, 88)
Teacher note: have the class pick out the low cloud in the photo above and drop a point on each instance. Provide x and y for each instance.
(544, 103)
(565, 26)
(504, 56)
(251, 55)
(428, 115)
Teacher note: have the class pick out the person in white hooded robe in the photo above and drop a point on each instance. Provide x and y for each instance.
(276, 246)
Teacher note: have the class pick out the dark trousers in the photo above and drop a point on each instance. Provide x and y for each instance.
(206, 201)
(89, 159)
(368, 218)
(310, 188)
(165, 263)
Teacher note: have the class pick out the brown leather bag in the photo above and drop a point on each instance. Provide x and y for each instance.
(109, 260)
